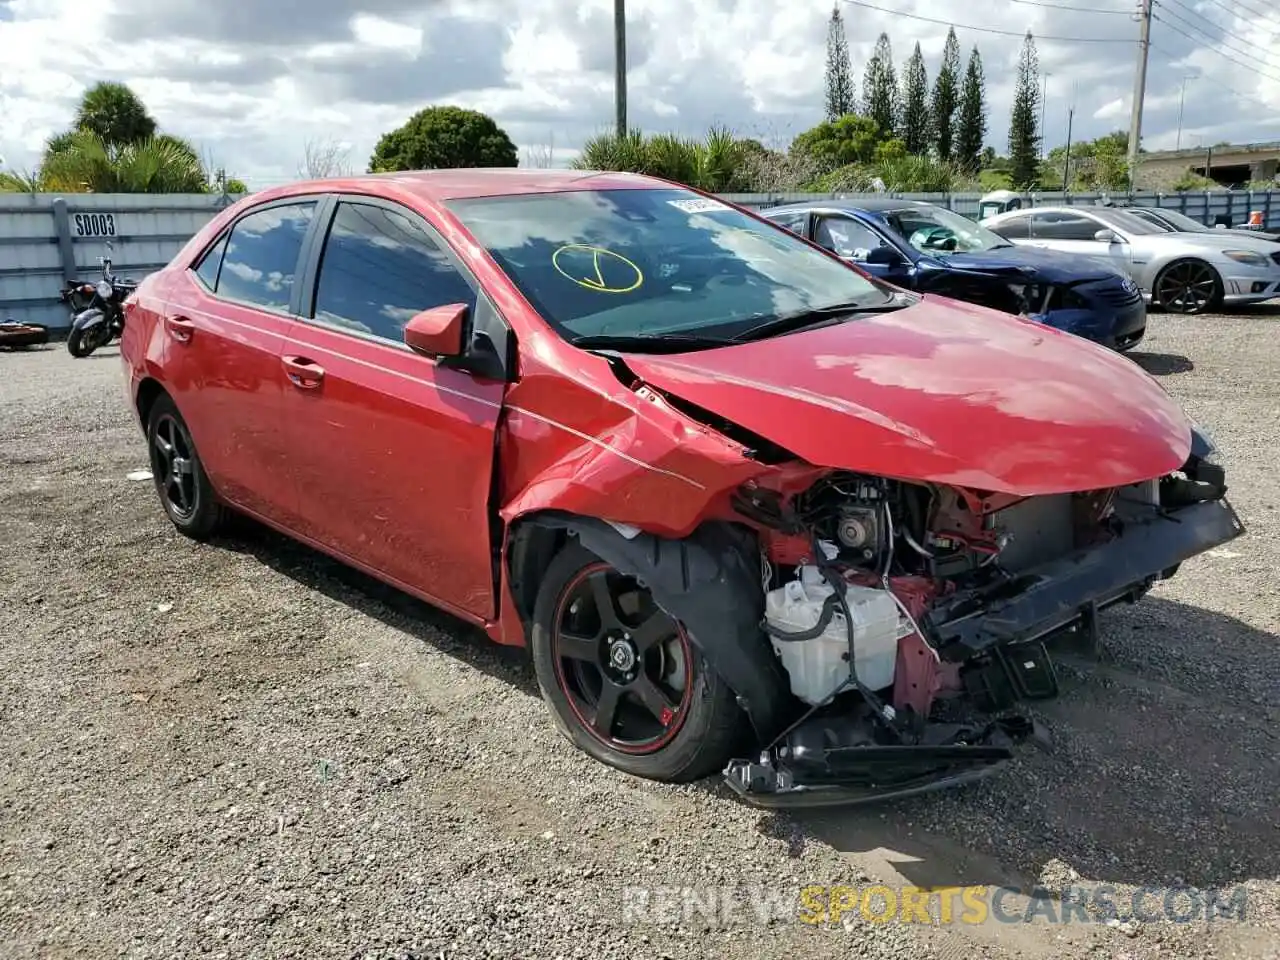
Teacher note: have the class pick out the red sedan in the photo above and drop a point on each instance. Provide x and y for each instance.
(750, 509)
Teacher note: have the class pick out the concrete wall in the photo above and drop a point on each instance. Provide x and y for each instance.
(46, 239)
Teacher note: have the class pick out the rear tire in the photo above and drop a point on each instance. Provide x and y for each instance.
(181, 483)
(672, 718)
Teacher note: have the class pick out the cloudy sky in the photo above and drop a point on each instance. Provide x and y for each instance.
(252, 82)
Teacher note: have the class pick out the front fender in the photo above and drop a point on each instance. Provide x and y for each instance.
(88, 319)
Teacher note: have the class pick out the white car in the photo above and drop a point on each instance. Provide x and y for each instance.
(1180, 272)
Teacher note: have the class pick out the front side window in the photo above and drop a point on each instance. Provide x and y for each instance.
(261, 257)
(795, 222)
(379, 268)
(936, 230)
(656, 261)
(846, 237)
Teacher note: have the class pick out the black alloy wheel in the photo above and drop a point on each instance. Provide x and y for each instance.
(1187, 286)
(624, 680)
(184, 489)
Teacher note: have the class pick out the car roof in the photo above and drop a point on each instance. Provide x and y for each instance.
(440, 185)
(867, 205)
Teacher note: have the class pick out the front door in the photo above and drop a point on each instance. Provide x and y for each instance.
(391, 453)
(852, 240)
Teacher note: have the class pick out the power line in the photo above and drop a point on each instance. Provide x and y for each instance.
(1263, 65)
(1064, 6)
(1236, 13)
(1204, 39)
(1211, 78)
(991, 30)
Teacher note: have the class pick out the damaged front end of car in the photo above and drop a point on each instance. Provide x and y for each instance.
(935, 593)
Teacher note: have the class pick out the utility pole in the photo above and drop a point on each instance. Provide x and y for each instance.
(620, 64)
(1139, 87)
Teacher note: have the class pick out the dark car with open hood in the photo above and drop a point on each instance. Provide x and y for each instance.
(749, 509)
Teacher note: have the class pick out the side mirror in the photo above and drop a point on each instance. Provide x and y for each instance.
(1105, 236)
(885, 256)
(437, 332)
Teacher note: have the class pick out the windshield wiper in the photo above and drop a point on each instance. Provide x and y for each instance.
(806, 318)
(658, 343)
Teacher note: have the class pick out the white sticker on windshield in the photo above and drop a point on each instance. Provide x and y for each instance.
(698, 205)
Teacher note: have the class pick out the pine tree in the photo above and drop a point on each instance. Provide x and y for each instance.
(880, 88)
(946, 97)
(840, 93)
(1024, 136)
(971, 127)
(914, 124)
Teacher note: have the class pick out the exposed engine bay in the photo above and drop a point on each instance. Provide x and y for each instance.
(883, 598)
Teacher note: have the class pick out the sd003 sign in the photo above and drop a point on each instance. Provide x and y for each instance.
(95, 224)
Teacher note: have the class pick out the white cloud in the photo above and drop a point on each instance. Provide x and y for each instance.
(251, 83)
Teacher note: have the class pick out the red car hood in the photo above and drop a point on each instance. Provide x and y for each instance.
(943, 392)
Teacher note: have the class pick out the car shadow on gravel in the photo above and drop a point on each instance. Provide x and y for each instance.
(1164, 771)
(1162, 364)
(317, 571)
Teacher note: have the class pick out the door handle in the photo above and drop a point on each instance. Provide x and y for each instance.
(303, 373)
(180, 328)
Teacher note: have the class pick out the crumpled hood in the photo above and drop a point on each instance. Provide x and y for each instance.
(1048, 266)
(944, 392)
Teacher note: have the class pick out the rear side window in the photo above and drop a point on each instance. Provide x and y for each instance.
(207, 269)
(379, 268)
(1018, 226)
(1059, 225)
(795, 222)
(261, 255)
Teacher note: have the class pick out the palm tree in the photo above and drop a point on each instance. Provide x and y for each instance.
(81, 162)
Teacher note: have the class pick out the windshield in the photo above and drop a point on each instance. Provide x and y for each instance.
(939, 230)
(654, 262)
(1127, 222)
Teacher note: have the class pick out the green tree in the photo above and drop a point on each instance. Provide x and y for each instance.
(114, 114)
(85, 163)
(914, 124)
(444, 138)
(837, 143)
(946, 97)
(1101, 164)
(839, 79)
(971, 127)
(880, 88)
(718, 163)
(1024, 135)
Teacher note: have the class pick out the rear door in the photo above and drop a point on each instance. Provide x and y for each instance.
(1073, 232)
(224, 322)
(391, 453)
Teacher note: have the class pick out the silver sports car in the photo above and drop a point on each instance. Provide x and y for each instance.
(1181, 272)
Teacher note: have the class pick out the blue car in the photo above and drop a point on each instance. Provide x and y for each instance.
(924, 247)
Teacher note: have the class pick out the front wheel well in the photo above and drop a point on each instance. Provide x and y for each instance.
(529, 552)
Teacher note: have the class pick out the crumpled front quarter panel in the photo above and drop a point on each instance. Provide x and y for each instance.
(574, 439)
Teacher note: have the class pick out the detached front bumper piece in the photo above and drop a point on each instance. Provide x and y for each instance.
(821, 764)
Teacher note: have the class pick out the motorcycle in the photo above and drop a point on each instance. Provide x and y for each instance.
(98, 309)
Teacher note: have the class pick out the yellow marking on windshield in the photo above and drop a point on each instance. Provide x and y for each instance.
(589, 270)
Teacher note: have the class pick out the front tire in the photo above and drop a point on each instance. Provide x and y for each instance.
(81, 343)
(624, 681)
(181, 483)
(1188, 287)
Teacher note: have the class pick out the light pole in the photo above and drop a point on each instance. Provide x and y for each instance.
(1044, 95)
(1181, 99)
(620, 65)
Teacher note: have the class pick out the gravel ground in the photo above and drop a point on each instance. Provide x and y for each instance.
(243, 749)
